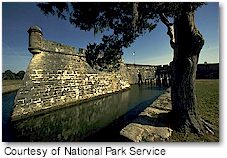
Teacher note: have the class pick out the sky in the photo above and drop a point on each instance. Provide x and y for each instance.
(153, 48)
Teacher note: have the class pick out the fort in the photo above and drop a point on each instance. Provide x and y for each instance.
(58, 75)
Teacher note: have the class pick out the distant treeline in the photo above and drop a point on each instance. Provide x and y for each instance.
(9, 75)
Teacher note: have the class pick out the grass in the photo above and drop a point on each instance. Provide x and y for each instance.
(11, 82)
(10, 85)
(207, 92)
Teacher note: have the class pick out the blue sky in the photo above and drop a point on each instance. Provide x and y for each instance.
(152, 48)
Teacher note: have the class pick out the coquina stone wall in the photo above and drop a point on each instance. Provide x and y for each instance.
(147, 72)
(58, 75)
(72, 123)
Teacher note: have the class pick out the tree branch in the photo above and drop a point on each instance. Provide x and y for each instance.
(170, 28)
(135, 15)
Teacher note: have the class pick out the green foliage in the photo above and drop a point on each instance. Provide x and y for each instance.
(21, 74)
(122, 19)
(9, 75)
(98, 55)
(59, 9)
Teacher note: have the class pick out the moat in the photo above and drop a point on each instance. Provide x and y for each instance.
(96, 120)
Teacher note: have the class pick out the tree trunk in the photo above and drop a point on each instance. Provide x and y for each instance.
(188, 44)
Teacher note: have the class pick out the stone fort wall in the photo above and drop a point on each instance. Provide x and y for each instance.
(147, 72)
(59, 75)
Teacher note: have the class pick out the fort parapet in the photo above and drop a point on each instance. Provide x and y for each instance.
(38, 44)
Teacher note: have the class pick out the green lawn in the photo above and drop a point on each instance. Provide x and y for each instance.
(11, 85)
(207, 92)
(11, 82)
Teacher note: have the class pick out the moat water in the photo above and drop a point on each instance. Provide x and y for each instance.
(7, 108)
(96, 120)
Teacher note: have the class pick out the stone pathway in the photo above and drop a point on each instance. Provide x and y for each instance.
(152, 123)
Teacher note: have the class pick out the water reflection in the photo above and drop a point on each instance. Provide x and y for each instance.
(77, 122)
(7, 107)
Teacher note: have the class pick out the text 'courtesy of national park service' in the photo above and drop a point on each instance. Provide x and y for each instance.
(82, 151)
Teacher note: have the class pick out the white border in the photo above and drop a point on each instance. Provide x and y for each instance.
(174, 150)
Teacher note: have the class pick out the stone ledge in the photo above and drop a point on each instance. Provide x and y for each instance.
(151, 124)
